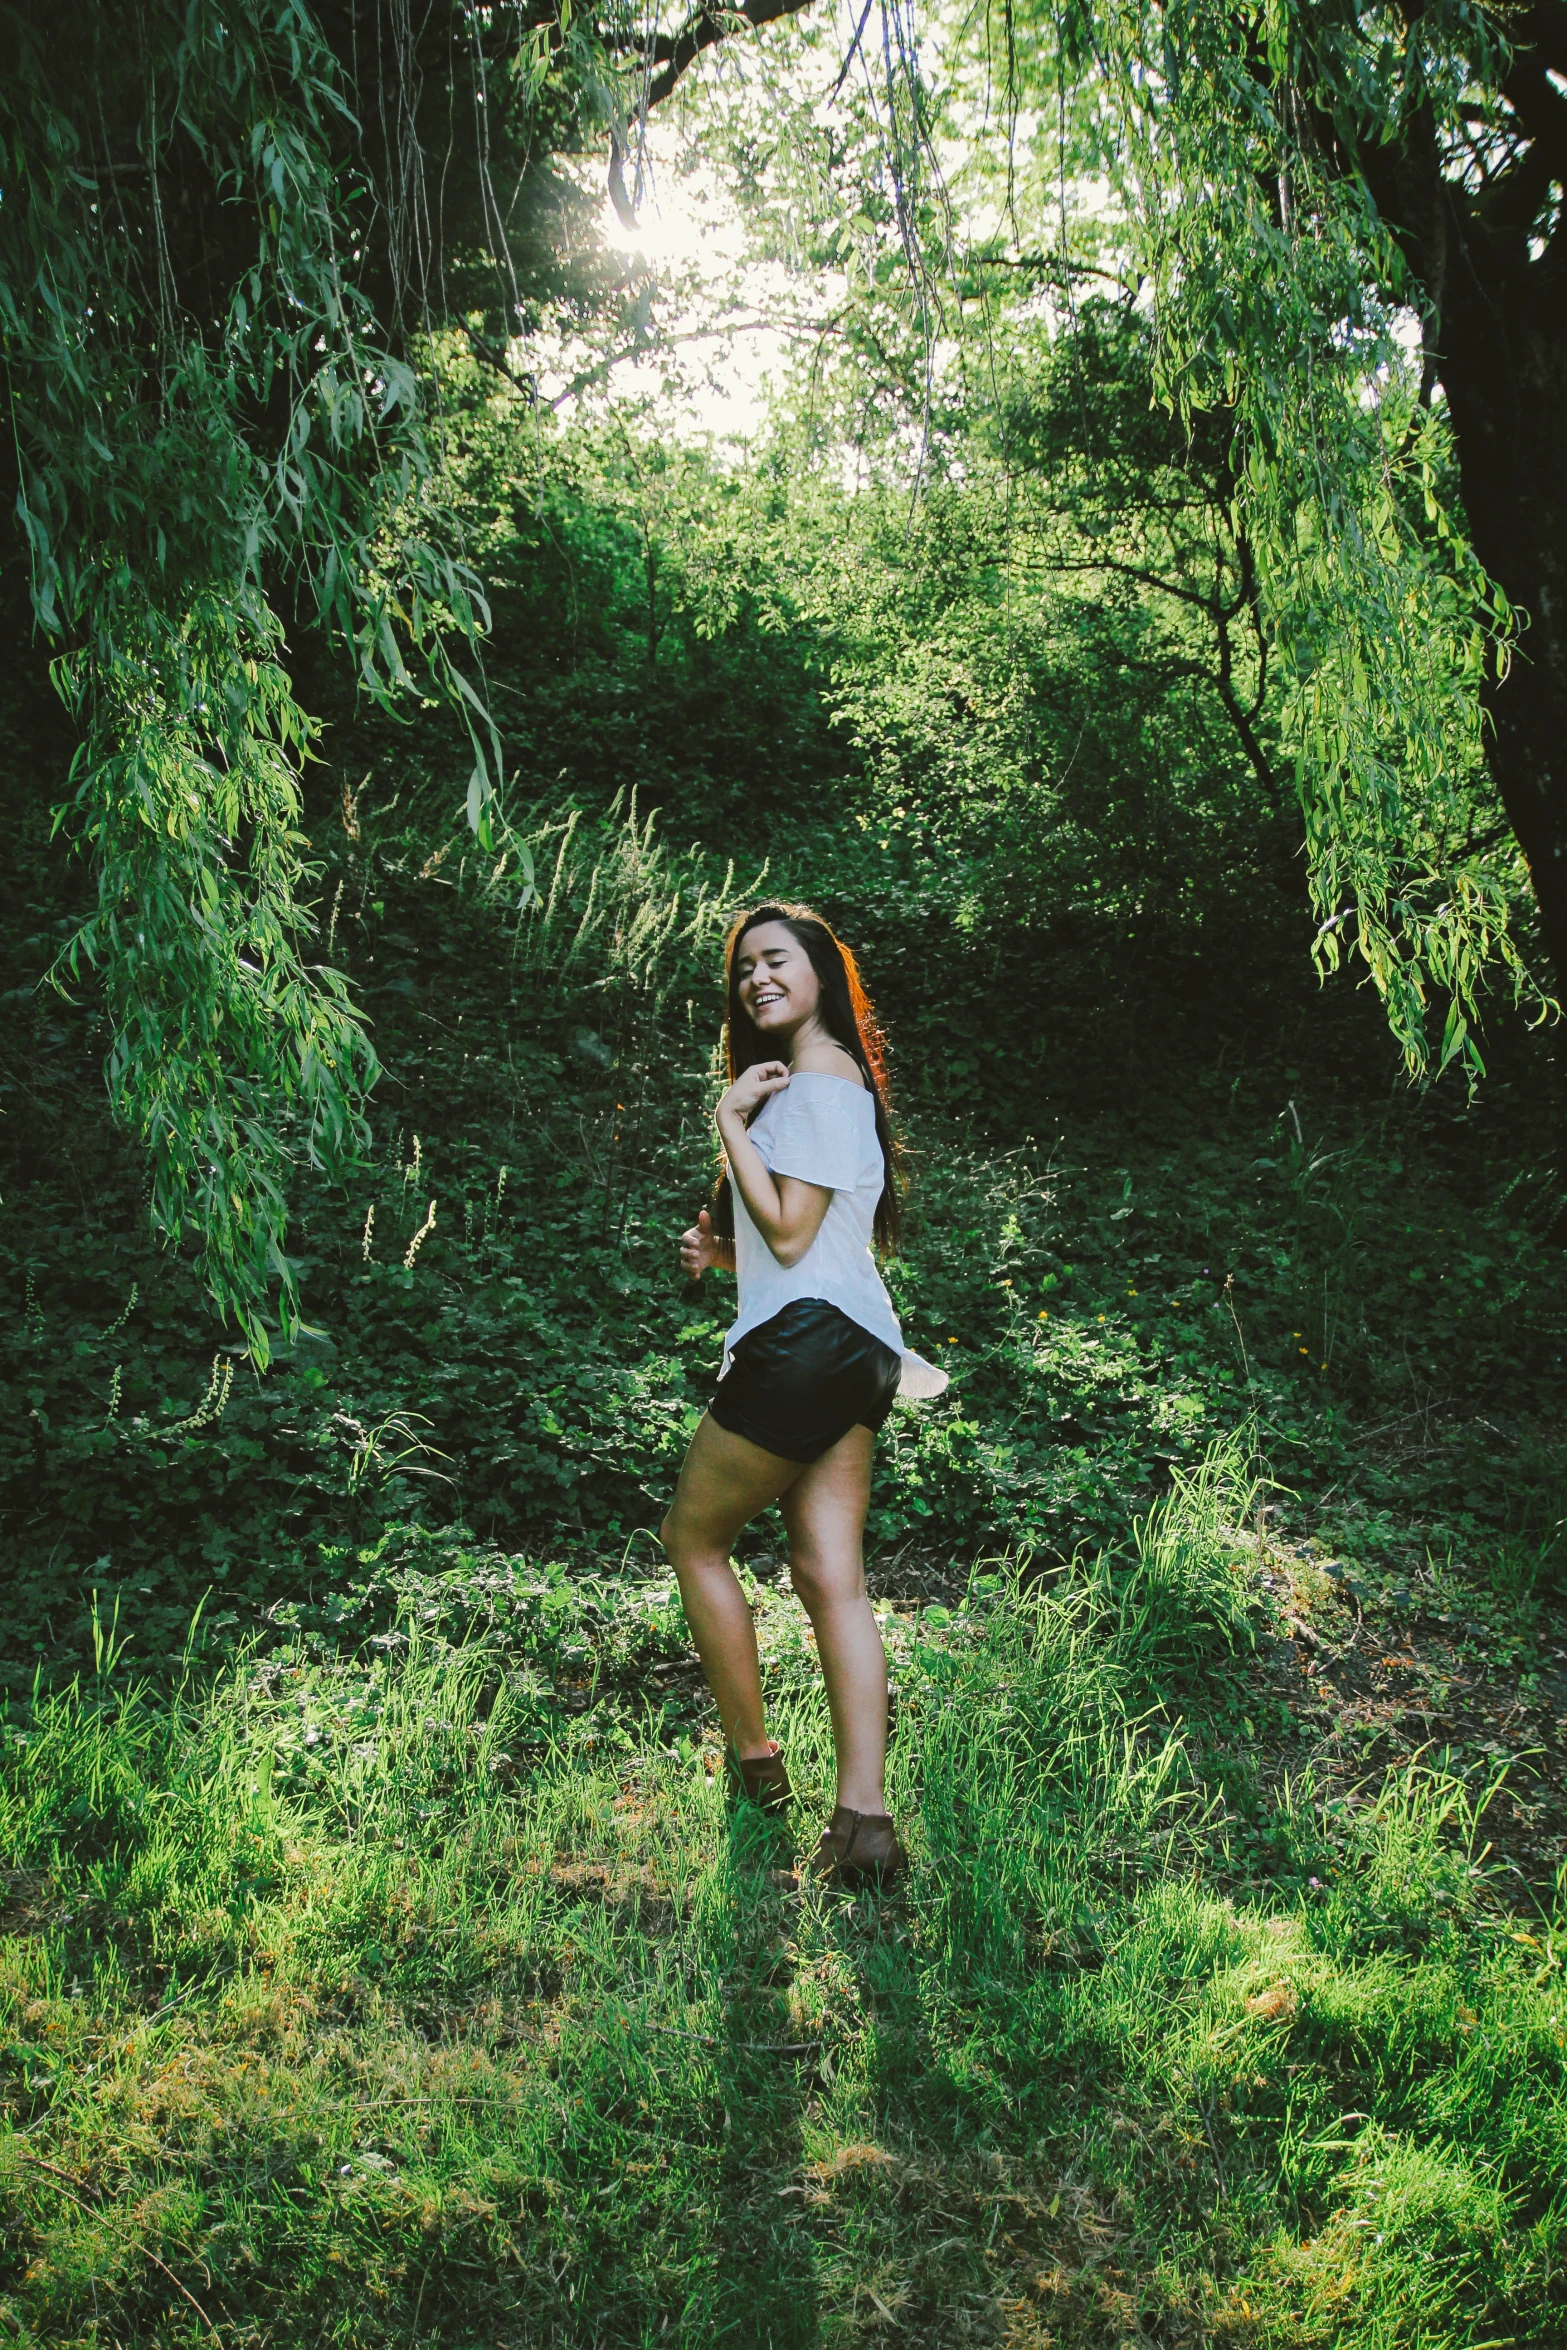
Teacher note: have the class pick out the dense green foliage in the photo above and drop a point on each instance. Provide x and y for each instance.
(378, 1960)
(233, 305)
(1215, 166)
(215, 294)
(495, 1337)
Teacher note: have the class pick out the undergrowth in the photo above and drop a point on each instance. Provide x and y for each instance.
(497, 1345)
(426, 1989)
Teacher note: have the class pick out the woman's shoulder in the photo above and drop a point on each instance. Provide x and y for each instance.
(826, 1059)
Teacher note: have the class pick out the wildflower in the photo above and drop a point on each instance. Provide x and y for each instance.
(420, 1236)
(1131, 1293)
(1044, 1313)
(1305, 1350)
(1098, 1317)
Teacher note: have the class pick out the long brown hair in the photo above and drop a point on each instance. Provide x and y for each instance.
(846, 1013)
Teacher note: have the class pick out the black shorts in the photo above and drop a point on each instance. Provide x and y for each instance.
(799, 1382)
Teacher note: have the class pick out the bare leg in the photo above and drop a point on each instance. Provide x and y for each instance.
(824, 1511)
(726, 1480)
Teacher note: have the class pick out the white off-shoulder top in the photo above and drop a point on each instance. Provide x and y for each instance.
(823, 1130)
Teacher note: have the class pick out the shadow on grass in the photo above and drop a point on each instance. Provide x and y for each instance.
(765, 2254)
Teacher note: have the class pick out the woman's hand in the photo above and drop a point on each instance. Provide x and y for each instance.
(701, 1249)
(750, 1089)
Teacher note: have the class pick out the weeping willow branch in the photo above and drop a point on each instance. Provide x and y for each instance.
(673, 55)
(203, 406)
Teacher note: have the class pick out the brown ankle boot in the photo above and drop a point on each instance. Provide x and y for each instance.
(858, 1848)
(763, 1779)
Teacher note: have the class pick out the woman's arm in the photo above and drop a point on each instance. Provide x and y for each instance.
(786, 1210)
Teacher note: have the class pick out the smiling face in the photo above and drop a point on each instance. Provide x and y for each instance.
(776, 981)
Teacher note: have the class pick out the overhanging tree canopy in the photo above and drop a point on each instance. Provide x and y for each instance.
(228, 236)
(1336, 213)
(223, 233)
(1300, 174)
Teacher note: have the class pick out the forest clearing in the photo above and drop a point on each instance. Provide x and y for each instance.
(498, 490)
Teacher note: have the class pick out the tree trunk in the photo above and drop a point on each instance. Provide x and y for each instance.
(1492, 260)
(1505, 375)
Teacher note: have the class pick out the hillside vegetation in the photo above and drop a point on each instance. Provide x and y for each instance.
(383, 1961)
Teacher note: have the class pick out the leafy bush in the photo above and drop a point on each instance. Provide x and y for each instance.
(497, 1340)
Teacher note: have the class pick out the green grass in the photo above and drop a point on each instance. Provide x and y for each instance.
(431, 1992)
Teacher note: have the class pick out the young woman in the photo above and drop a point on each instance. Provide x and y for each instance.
(815, 1358)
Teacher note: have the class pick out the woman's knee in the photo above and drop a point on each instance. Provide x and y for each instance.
(820, 1584)
(681, 1540)
(689, 1545)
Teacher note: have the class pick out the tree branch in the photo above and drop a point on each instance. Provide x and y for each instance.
(654, 344)
(1241, 719)
(702, 30)
(1217, 612)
